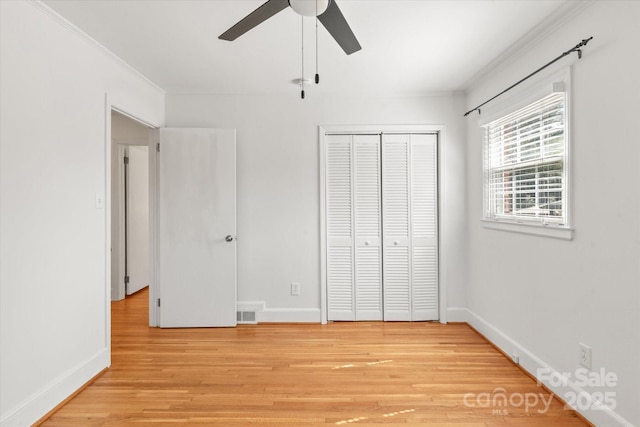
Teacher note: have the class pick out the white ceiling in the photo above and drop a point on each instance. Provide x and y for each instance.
(408, 47)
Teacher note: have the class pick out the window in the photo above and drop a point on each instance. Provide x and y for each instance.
(525, 154)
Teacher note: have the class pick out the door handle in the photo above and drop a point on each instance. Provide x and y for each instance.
(229, 238)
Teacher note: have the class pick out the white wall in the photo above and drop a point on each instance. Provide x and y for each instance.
(538, 296)
(53, 283)
(278, 184)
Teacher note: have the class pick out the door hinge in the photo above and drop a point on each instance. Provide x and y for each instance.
(126, 160)
(126, 280)
(158, 147)
(158, 302)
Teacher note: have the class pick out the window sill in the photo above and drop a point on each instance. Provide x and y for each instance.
(554, 232)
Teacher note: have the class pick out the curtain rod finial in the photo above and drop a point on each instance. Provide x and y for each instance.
(471, 111)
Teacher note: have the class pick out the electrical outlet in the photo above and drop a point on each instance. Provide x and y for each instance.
(584, 355)
(295, 289)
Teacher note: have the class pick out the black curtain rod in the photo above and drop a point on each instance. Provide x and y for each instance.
(576, 48)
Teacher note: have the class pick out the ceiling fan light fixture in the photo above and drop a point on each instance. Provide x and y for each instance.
(309, 7)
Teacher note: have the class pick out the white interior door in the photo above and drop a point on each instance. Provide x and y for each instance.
(138, 218)
(197, 227)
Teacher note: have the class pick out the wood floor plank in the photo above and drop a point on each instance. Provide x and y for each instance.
(372, 373)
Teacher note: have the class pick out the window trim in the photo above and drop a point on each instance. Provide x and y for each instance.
(553, 231)
(545, 85)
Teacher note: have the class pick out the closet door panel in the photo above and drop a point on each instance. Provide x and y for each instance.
(424, 227)
(339, 222)
(396, 227)
(368, 256)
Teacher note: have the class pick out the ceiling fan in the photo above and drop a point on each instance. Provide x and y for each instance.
(326, 11)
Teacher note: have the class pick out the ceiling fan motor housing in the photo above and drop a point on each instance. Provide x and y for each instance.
(309, 7)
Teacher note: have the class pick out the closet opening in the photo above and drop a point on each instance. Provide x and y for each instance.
(380, 228)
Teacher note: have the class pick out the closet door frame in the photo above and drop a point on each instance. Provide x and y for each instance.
(380, 129)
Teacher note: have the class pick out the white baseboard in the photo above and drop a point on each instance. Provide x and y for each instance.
(290, 315)
(280, 315)
(256, 306)
(597, 414)
(456, 314)
(40, 403)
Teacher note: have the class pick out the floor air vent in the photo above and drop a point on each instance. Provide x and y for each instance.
(246, 317)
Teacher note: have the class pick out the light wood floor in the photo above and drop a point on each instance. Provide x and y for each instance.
(304, 375)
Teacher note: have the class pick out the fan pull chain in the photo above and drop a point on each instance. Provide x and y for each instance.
(317, 75)
(302, 77)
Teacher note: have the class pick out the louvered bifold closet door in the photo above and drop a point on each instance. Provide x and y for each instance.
(409, 194)
(354, 266)
(368, 254)
(424, 227)
(339, 228)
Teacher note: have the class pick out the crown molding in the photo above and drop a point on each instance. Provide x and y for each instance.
(46, 10)
(565, 13)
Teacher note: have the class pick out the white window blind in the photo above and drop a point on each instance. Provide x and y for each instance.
(525, 164)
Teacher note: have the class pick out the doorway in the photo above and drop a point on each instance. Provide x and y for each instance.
(130, 249)
(127, 135)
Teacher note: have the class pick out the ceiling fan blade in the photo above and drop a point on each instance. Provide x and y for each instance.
(333, 20)
(256, 17)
